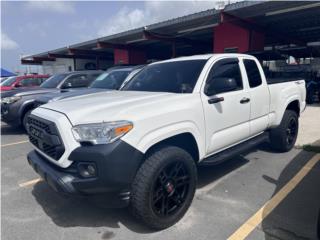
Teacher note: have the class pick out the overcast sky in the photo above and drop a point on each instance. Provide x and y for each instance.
(34, 26)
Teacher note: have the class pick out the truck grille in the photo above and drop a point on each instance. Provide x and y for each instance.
(39, 124)
(44, 135)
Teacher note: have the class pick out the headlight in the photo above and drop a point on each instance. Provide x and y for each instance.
(101, 133)
(8, 100)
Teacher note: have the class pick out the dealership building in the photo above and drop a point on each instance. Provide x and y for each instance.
(274, 31)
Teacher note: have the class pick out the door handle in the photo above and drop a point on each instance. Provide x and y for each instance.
(244, 100)
(215, 100)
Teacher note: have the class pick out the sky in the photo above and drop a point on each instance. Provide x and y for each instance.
(29, 27)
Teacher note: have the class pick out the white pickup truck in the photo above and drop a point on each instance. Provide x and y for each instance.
(143, 143)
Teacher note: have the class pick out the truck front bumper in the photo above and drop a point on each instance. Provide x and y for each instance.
(58, 180)
(115, 166)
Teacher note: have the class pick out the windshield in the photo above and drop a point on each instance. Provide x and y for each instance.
(8, 82)
(54, 81)
(111, 80)
(2, 79)
(129, 77)
(175, 77)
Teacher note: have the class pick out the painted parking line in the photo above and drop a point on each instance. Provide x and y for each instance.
(30, 183)
(262, 213)
(15, 143)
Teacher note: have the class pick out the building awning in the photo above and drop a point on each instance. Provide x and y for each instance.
(284, 23)
(6, 73)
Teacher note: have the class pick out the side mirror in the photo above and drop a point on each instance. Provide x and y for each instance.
(67, 85)
(220, 85)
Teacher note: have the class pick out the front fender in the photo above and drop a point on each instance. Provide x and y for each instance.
(155, 136)
(28, 104)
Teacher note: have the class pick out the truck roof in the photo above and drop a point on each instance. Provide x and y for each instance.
(31, 75)
(204, 57)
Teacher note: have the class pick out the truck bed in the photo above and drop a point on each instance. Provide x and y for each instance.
(282, 80)
(279, 92)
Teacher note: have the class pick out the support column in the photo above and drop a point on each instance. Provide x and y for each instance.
(229, 37)
(74, 64)
(129, 56)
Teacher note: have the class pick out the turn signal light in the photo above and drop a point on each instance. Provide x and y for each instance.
(122, 130)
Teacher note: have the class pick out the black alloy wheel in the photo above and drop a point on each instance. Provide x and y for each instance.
(164, 187)
(283, 137)
(170, 189)
(292, 131)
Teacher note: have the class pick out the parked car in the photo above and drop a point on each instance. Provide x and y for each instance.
(17, 104)
(2, 79)
(110, 80)
(142, 144)
(23, 81)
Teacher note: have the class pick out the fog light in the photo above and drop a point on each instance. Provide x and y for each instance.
(87, 169)
(91, 170)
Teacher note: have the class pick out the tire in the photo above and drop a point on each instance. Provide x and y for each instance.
(25, 119)
(284, 137)
(156, 198)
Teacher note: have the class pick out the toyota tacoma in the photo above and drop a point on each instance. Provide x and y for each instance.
(143, 143)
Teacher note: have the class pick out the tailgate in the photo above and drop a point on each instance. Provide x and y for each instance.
(302, 88)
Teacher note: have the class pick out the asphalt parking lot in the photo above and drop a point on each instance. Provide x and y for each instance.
(260, 195)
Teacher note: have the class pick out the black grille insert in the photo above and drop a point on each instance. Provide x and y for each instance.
(45, 136)
(39, 124)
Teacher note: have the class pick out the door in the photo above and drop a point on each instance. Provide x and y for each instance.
(76, 81)
(41, 80)
(28, 82)
(259, 95)
(226, 106)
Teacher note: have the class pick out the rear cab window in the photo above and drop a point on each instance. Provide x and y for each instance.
(253, 73)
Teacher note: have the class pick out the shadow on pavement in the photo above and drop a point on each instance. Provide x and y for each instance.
(210, 174)
(71, 211)
(296, 216)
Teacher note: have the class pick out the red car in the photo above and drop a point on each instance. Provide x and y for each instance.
(22, 81)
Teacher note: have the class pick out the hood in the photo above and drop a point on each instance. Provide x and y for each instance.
(112, 105)
(27, 91)
(55, 96)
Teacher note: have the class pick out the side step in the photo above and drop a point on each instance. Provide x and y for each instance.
(235, 150)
